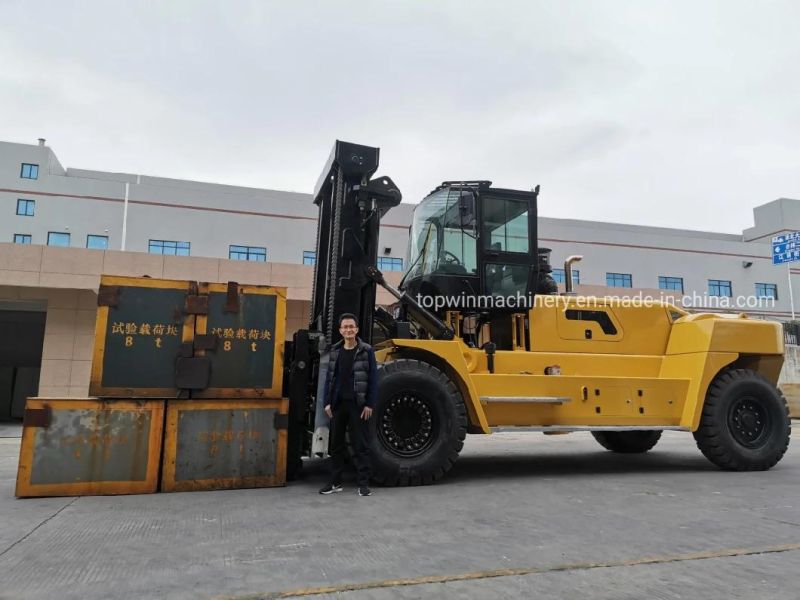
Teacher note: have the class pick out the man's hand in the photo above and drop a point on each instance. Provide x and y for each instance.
(328, 411)
(366, 413)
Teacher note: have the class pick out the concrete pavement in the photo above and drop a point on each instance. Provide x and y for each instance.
(520, 515)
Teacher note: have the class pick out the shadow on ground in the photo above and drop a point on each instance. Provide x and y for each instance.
(522, 466)
(488, 467)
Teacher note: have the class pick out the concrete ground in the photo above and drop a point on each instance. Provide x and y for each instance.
(521, 515)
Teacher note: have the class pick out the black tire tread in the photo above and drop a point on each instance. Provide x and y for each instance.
(628, 442)
(708, 434)
(411, 364)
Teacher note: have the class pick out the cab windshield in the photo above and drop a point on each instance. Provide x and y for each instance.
(443, 236)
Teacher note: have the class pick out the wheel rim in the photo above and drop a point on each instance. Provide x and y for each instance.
(748, 422)
(406, 424)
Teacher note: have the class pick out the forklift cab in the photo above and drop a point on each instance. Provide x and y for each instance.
(475, 246)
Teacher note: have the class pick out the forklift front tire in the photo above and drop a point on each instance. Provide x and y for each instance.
(419, 424)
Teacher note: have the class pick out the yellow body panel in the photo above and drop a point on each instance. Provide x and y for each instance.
(650, 368)
(461, 359)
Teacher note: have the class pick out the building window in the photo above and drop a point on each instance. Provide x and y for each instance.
(26, 208)
(619, 280)
(389, 263)
(251, 253)
(719, 287)
(309, 257)
(55, 238)
(670, 283)
(168, 247)
(560, 276)
(29, 171)
(767, 290)
(22, 238)
(97, 242)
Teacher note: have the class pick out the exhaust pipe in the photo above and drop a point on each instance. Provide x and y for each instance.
(568, 271)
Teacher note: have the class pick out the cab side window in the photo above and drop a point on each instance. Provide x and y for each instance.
(506, 222)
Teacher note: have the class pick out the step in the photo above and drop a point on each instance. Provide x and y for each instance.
(525, 399)
(574, 428)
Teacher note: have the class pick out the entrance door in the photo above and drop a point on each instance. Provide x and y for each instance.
(21, 341)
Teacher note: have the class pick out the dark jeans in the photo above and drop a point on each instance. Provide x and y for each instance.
(347, 416)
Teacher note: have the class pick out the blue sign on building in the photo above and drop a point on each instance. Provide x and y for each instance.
(786, 248)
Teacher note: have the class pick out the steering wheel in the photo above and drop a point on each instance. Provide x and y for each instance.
(450, 258)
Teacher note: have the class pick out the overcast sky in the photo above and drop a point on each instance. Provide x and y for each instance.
(683, 114)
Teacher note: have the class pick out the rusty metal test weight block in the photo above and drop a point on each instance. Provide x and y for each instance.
(242, 337)
(83, 447)
(224, 444)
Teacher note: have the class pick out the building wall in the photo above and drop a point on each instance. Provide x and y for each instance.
(64, 282)
(69, 335)
(647, 252)
(773, 219)
(211, 217)
(789, 380)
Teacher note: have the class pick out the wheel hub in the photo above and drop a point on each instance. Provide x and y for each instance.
(406, 425)
(748, 422)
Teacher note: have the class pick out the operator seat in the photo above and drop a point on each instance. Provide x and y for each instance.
(451, 269)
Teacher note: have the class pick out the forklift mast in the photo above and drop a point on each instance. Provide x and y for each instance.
(351, 206)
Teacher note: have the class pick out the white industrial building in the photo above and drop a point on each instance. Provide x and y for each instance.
(63, 227)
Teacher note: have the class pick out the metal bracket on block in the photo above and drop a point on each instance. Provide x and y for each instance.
(281, 421)
(37, 417)
(196, 305)
(108, 295)
(232, 298)
(205, 341)
(192, 373)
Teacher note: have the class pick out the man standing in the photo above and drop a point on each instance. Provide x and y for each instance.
(350, 393)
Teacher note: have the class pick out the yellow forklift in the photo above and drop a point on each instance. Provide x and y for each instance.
(480, 340)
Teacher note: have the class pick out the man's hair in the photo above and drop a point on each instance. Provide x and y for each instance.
(344, 316)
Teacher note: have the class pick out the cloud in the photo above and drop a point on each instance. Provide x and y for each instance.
(664, 113)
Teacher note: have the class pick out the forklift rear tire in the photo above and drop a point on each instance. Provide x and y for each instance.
(419, 424)
(745, 422)
(627, 442)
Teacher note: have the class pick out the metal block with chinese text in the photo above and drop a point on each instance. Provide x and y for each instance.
(83, 447)
(247, 327)
(142, 328)
(224, 444)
